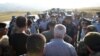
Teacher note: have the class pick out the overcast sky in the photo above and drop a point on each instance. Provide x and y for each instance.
(55, 3)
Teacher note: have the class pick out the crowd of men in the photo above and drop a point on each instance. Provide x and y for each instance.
(53, 34)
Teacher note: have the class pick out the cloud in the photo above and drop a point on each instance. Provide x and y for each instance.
(56, 3)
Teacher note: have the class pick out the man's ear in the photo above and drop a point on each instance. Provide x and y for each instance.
(6, 30)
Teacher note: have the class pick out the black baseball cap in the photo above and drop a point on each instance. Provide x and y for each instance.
(87, 20)
(2, 25)
(68, 17)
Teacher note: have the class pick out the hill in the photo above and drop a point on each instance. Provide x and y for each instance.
(15, 7)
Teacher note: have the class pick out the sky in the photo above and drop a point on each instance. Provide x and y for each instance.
(55, 3)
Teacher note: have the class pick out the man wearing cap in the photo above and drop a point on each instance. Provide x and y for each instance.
(97, 23)
(53, 17)
(3, 32)
(83, 25)
(43, 23)
(4, 43)
(71, 29)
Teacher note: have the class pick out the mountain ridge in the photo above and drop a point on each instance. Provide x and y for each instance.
(15, 7)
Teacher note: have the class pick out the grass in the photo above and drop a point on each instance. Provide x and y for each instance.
(5, 16)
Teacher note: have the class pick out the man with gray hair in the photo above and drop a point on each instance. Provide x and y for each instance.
(57, 46)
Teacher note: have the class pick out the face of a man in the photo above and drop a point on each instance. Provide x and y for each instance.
(84, 24)
(68, 21)
(98, 19)
(3, 31)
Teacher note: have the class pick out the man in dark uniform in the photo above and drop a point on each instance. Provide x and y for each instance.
(71, 29)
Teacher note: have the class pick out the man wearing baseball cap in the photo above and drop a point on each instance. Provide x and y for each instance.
(97, 23)
(3, 30)
(4, 43)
